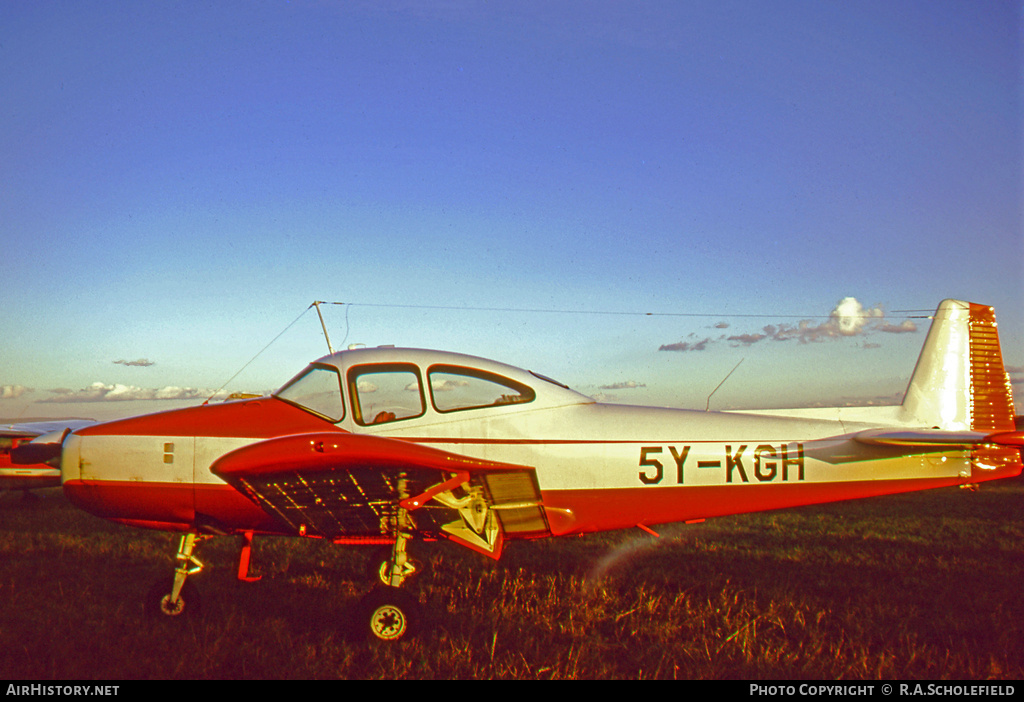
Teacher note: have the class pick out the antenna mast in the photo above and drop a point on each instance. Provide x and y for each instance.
(317, 303)
(708, 405)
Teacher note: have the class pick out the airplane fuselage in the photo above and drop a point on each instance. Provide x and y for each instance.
(598, 466)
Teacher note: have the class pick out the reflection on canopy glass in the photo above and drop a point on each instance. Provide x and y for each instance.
(385, 393)
(317, 390)
(456, 388)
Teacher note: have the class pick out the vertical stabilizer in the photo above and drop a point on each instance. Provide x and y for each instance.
(960, 382)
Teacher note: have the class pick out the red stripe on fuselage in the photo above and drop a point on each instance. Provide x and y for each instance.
(256, 419)
(583, 511)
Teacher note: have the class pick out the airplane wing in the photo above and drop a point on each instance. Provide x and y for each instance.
(27, 450)
(343, 485)
(24, 430)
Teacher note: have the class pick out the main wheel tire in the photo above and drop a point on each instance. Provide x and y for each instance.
(391, 614)
(158, 601)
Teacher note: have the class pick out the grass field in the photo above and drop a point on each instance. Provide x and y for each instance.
(917, 586)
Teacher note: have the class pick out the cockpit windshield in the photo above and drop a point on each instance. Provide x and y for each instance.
(318, 390)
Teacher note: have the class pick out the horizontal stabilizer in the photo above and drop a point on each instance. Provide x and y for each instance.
(938, 439)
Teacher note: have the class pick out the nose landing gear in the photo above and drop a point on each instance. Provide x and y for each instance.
(182, 598)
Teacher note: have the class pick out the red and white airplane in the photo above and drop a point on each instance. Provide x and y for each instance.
(386, 445)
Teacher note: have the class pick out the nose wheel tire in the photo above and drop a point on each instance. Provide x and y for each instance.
(391, 614)
(158, 603)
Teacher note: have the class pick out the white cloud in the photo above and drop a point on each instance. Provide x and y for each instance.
(143, 362)
(102, 392)
(12, 392)
(849, 318)
(746, 339)
(446, 384)
(687, 346)
(628, 385)
(903, 327)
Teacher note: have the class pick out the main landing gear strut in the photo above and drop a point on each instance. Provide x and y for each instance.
(393, 613)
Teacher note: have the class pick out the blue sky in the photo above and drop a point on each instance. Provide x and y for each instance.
(180, 181)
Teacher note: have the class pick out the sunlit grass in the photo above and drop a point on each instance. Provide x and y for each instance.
(915, 586)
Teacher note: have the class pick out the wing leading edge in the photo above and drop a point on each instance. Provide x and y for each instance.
(342, 485)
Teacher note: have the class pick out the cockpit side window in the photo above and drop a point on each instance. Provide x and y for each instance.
(385, 392)
(454, 388)
(317, 390)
